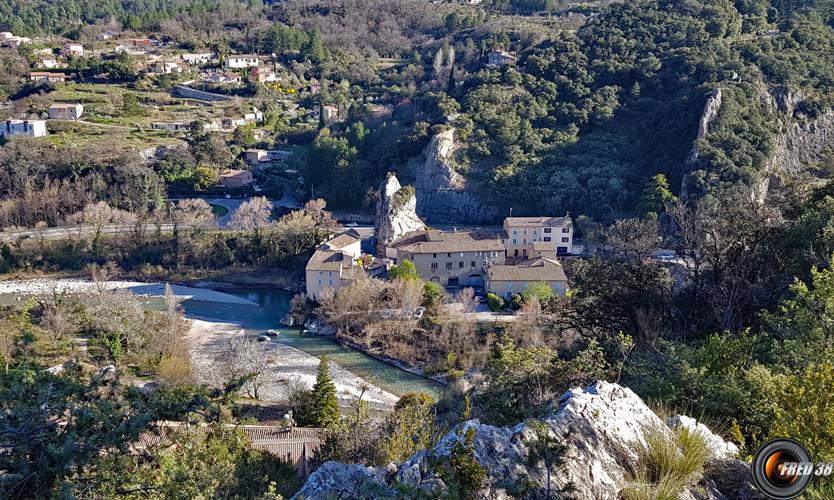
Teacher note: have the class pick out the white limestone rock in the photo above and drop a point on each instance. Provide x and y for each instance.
(719, 448)
(602, 426)
(396, 213)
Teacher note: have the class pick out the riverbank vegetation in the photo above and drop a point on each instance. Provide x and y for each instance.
(179, 239)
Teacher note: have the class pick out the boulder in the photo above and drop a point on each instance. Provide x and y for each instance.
(396, 213)
(602, 427)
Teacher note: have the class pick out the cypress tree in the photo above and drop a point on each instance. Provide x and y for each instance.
(325, 405)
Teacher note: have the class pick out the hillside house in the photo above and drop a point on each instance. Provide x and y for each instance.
(506, 280)
(8, 39)
(221, 77)
(254, 157)
(50, 63)
(232, 178)
(199, 58)
(72, 50)
(47, 77)
(334, 264)
(500, 58)
(171, 126)
(166, 67)
(60, 111)
(31, 128)
(264, 74)
(140, 43)
(550, 232)
(241, 61)
(330, 114)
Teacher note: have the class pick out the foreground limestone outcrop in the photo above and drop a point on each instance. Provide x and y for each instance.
(602, 427)
(396, 213)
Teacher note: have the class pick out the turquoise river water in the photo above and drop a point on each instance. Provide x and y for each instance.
(273, 304)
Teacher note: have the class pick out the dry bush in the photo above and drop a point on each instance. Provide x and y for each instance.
(175, 370)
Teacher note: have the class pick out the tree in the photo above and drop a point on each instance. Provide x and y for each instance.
(539, 289)
(406, 270)
(98, 215)
(252, 215)
(247, 360)
(466, 296)
(410, 428)
(657, 195)
(324, 403)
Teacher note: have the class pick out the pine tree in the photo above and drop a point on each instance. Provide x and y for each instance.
(325, 406)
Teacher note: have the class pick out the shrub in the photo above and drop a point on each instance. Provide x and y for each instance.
(495, 302)
(668, 464)
(517, 302)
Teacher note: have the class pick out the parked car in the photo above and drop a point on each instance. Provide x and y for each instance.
(272, 333)
(263, 338)
(418, 313)
(351, 224)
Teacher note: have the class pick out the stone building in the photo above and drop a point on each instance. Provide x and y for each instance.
(452, 258)
(334, 264)
(507, 280)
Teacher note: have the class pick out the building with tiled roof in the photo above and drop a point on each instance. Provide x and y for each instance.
(451, 258)
(550, 232)
(506, 280)
(334, 264)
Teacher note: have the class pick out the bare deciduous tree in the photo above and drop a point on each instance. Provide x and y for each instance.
(247, 358)
(252, 215)
(466, 296)
(98, 215)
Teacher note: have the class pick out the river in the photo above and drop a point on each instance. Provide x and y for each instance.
(273, 304)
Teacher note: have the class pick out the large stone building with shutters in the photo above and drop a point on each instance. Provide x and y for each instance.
(452, 258)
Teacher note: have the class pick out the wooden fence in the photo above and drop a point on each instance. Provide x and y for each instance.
(296, 445)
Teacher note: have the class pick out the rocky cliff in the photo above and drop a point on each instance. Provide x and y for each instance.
(805, 143)
(602, 427)
(395, 213)
(441, 194)
(803, 146)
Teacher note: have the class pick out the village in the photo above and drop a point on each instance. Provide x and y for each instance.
(502, 263)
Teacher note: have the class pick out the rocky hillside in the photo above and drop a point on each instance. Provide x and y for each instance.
(602, 427)
(442, 194)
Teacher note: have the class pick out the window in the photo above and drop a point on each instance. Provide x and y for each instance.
(320, 273)
(331, 282)
(434, 256)
(330, 273)
(524, 241)
(546, 238)
(449, 266)
(515, 232)
(525, 231)
(448, 255)
(460, 265)
(565, 229)
(514, 242)
(472, 264)
(535, 231)
(461, 254)
(319, 282)
(510, 286)
(547, 230)
(434, 266)
(565, 239)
